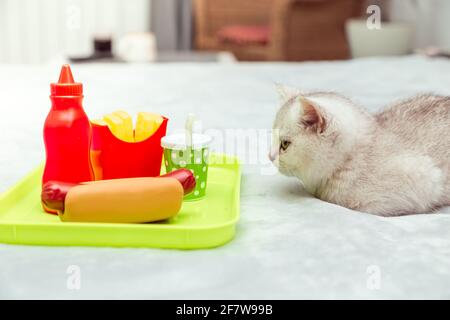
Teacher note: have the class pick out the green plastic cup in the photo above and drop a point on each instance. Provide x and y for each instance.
(177, 155)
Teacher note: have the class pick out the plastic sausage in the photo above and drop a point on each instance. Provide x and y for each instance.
(185, 177)
(54, 193)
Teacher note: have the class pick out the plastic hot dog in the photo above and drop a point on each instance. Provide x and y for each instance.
(131, 200)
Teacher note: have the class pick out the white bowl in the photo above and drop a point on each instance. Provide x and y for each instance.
(393, 38)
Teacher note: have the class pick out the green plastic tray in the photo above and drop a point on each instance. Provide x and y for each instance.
(205, 223)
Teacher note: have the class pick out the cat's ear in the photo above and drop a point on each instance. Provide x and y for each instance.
(311, 116)
(286, 92)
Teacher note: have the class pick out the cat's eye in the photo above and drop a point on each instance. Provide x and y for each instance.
(284, 144)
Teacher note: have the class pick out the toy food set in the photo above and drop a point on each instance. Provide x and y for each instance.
(101, 183)
(189, 151)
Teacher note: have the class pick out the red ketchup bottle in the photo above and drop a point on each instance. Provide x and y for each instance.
(67, 134)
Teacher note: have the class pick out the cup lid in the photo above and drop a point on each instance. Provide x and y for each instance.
(178, 141)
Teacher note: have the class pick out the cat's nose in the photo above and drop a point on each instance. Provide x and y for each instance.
(273, 154)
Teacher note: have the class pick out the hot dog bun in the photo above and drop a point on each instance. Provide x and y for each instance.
(133, 200)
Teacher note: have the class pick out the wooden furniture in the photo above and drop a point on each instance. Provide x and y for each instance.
(288, 30)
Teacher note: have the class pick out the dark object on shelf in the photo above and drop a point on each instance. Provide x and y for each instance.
(103, 46)
(102, 51)
(289, 30)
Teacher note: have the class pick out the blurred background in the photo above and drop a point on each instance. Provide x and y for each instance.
(41, 31)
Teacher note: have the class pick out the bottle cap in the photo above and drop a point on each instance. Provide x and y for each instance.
(66, 86)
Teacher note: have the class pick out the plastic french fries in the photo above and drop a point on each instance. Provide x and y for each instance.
(99, 122)
(127, 124)
(119, 127)
(147, 123)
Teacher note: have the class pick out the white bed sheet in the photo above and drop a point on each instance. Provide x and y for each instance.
(287, 245)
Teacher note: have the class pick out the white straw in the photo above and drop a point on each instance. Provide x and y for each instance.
(188, 126)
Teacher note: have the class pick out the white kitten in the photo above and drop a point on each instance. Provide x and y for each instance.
(393, 163)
